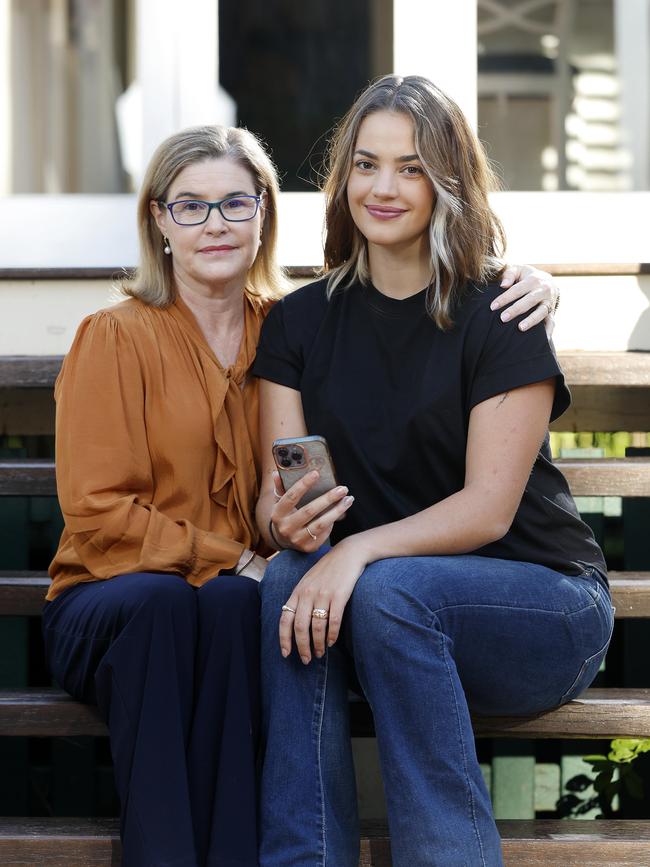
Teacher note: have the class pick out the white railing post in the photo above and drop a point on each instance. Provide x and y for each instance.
(437, 39)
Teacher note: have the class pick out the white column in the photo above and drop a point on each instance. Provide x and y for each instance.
(177, 71)
(437, 39)
(5, 99)
(632, 34)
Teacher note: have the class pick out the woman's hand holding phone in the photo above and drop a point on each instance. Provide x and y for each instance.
(308, 527)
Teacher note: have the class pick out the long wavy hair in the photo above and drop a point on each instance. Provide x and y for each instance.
(466, 238)
(153, 281)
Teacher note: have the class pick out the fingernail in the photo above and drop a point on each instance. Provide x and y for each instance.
(330, 642)
(523, 327)
(305, 660)
(318, 654)
(505, 316)
(341, 490)
(348, 501)
(285, 652)
(494, 305)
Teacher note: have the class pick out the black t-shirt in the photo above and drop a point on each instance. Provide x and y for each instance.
(392, 394)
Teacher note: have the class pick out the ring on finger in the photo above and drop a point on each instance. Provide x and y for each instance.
(549, 309)
(289, 609)
(310, 533)
(320, 613)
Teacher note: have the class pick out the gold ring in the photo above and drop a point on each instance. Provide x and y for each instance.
(310, 533)
(320, 613)
(288, 608)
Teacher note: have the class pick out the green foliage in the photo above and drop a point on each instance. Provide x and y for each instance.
(613, 774)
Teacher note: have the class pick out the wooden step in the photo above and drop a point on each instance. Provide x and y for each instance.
(598, 713)
(595, 369)
(23, 593)
(47, 712)
(607, 477)
(601, 369)
(630, 593)
(527, 843)
(95, 843)
(597, 477)
(29, 371)
(27, 477)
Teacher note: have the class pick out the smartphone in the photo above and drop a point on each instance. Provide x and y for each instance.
(296, 456)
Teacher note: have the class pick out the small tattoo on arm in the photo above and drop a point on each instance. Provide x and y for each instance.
(503, 397)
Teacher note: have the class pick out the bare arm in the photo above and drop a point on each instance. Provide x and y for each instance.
(505, 433)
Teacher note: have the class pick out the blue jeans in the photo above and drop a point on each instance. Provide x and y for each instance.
(431, 639)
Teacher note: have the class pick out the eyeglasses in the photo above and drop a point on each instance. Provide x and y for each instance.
(234, 209)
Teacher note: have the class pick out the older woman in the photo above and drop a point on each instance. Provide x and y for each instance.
(157, 472)
(153, 610)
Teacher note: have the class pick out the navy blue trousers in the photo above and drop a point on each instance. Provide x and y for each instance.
(174, 671)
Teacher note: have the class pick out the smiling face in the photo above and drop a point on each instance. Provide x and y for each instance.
(214, 256)
(389, 195)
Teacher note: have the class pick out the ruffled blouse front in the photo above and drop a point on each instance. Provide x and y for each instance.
(156, 449)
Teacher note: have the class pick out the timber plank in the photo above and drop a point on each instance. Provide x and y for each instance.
(628, 369)
(59, 842)
(23, 593)
(95, 843)
(630, 593)
(29, 371)
(615, 477)
(525, 843)
(586, 368)
(27, 477)
(598, 713)
(47, 713)
(576, 843)
(607, 477)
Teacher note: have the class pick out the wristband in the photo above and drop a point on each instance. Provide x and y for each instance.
(247, 563)
(273, 536)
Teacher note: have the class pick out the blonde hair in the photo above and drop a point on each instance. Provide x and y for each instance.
(465, 236)
(153, 280)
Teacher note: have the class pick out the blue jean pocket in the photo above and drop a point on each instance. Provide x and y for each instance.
(587, 673)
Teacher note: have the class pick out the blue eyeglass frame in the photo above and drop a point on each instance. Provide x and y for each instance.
(211, 205)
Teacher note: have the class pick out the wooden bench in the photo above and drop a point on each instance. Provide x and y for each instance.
(606, 387)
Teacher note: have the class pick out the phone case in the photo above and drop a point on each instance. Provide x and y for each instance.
(296, 456)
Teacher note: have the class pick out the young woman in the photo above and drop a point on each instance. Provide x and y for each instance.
(460, 576)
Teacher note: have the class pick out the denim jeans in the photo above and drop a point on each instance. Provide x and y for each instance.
(431, 639)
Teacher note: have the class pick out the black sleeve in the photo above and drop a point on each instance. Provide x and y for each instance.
(278, 359)
(509, 358)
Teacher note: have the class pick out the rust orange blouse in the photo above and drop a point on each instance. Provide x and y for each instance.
(157, 457)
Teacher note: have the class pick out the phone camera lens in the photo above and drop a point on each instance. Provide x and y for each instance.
(285, 462)
(283, 452)
(296, 456)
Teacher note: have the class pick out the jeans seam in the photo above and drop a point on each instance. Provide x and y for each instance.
(590, 604)
(319, 763)
(463, 752)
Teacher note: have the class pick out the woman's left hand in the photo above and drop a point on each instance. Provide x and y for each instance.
(327, 587)
(528, 288)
